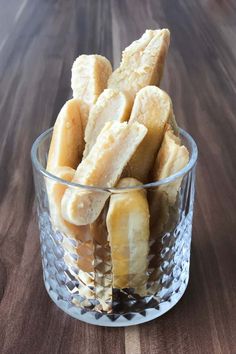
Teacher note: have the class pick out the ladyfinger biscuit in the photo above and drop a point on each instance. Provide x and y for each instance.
(152, 108)
(142, 62)
(102, 262)
(55, 191)
(171, 158)
(111, 105)
(81, 234)
(102, 167)
(89, 78)
(80, 257)
(67, 142)
(128, 235)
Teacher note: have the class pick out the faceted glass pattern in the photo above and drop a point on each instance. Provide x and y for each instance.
(88, 295)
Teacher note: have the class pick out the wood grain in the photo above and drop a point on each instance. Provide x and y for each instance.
(38, 42)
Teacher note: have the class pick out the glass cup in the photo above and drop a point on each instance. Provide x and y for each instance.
(77, 260)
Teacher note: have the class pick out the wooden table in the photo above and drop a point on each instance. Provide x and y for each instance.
(38, 42)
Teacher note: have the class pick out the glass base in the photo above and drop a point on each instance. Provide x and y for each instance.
(79, 297)
(116, 320)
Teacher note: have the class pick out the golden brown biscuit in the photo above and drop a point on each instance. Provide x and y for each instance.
(55, 192)
(89, 78)
(102, 264)
(142, 62)
(67, 142)
(81, 234)
(111, 105)
(102, 167)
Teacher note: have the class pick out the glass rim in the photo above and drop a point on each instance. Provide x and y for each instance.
(192, 161)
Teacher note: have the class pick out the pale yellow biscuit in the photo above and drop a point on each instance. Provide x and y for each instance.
(111, 105)
(89, 78)
(142, 62)
(102, 167)
(171, 158)
(153, 108)
(128, 235)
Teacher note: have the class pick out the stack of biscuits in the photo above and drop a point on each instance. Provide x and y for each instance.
(118, 131)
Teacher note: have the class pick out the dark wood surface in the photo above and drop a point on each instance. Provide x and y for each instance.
(38, 41)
